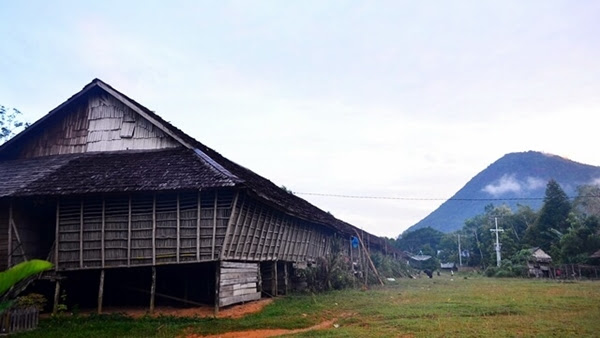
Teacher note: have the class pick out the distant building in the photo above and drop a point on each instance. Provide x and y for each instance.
(539, 263)
(448, 266)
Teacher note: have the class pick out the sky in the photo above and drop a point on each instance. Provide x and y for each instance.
(402, 99)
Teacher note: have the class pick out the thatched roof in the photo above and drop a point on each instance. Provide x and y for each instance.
(540, 256)
(192, 166)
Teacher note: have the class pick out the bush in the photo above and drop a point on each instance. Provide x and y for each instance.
(31, 300)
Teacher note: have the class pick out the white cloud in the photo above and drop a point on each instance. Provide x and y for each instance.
(510, 184)
(507, 183)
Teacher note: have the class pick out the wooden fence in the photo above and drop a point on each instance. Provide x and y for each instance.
(18, 320)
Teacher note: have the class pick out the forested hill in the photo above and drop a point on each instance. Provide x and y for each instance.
(516, 175)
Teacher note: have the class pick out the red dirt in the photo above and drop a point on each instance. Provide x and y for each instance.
(235, 311)
(266, 332)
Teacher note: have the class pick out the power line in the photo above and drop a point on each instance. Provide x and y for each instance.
(432, 199)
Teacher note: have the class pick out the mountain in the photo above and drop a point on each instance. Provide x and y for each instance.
(516, 178)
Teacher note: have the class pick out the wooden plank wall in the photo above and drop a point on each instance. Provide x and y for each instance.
(258, 232)
(136, 230)
(101, 123)
(238, 283)
(3, 235)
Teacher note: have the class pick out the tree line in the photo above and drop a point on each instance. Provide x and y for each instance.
(568, 230)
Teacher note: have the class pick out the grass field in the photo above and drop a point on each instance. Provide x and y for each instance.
(440, 307)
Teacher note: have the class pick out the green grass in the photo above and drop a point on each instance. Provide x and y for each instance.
(435, 307)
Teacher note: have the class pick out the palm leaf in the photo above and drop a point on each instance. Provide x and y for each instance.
(21, 271)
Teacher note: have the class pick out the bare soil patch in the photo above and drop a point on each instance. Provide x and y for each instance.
(265, 332)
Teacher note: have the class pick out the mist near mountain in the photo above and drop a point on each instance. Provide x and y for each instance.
(516, 178)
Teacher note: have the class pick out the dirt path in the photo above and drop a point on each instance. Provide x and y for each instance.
(266, 332)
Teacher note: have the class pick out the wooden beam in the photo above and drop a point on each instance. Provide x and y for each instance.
(251, 242)
(214, 234)
(242, 228)
(232, 215)
(152, 289)
(368, 258)
(287, 230)
(264, 231)
(101, 291)
(274, 238)
(18, 238)
(253, 215)
(154, 229)
(235, 239)
(129, 233)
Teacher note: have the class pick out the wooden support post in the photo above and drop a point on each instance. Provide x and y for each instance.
(214, 234)
(198, 221)
(274, 280)
(129, 233)
(154, 229)
(259, 284)
(101, 291)
(152, 290)
(81, 233)
(285, 277)
(178, 229)
(56, 297)
(57, 236)
(217, 286)
(103, 230)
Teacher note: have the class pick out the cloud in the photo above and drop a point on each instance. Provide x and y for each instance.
(510, 184)
(507, 183)
(534, 183)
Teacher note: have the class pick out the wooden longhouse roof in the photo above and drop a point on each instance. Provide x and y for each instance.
(191, 165)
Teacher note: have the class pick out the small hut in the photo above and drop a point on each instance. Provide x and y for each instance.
(539, 263)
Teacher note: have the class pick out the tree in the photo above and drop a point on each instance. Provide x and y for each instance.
(10, 123)
(552, 217)
(414, 241)
(588, 200)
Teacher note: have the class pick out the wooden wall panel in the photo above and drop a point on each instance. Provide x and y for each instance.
(123, 230)
(101, 123)
(238, 283)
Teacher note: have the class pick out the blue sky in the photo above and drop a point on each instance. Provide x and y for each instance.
(383, 98)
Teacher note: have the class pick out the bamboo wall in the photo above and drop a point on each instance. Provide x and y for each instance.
(259, 232)
(168, 228)
(140, 230)
(102, 123)
(3, 235)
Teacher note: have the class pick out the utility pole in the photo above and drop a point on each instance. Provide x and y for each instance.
(498, 257)
(459, 252)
